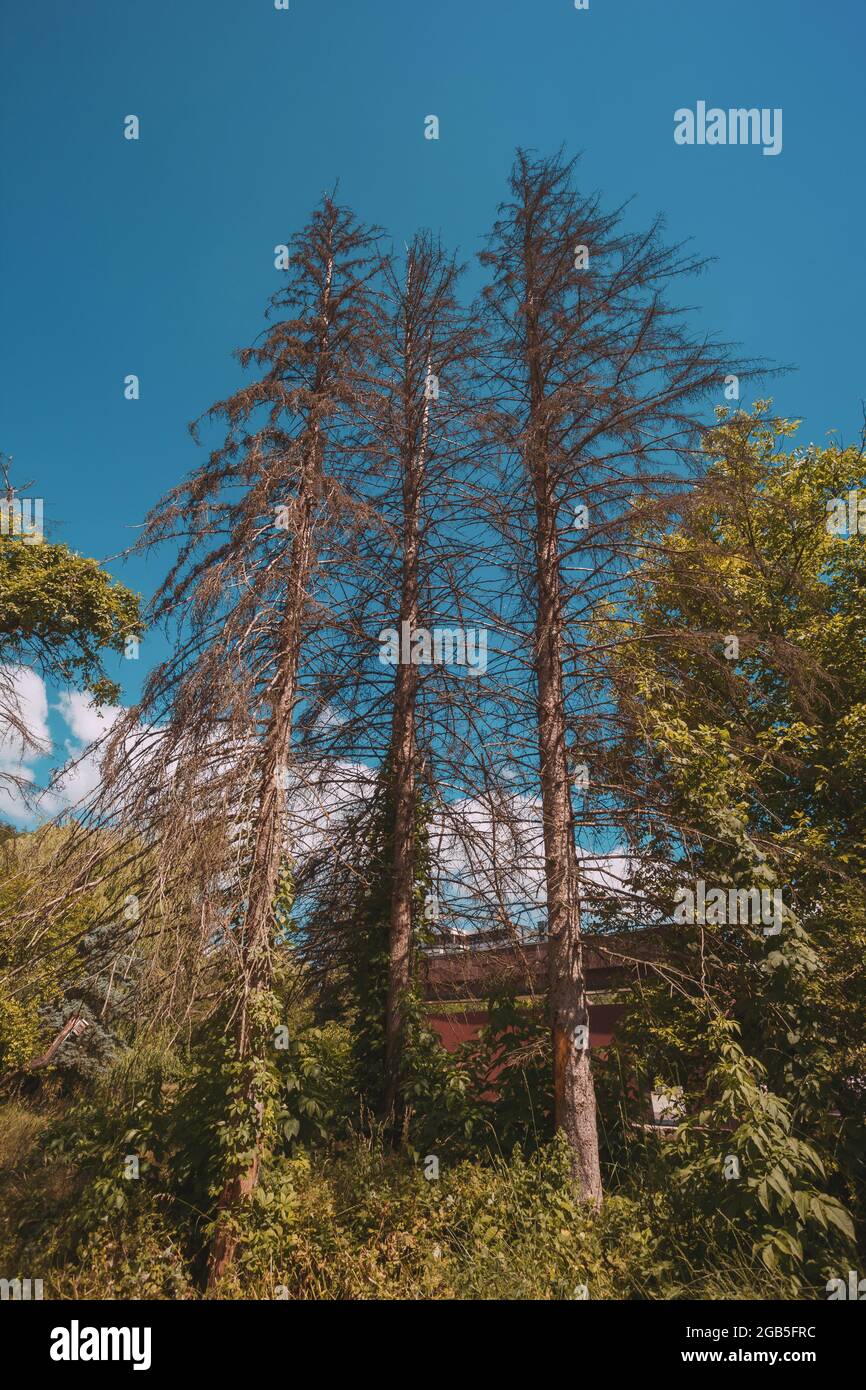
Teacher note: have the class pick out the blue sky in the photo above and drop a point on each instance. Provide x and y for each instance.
(155, 257)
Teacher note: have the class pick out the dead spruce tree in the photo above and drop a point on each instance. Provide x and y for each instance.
(367, 892)
(213, 768)
(594, 381)
(418, 421)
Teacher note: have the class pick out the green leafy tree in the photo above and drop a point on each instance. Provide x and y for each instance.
(60, 612)
(742, 689)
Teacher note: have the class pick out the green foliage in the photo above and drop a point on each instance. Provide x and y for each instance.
(62, 611)
(358, 1222)
(746, 1172)
(30, 981)
(754, 764)
(72, 961)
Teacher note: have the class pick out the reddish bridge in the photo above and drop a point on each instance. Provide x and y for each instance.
(467, 969)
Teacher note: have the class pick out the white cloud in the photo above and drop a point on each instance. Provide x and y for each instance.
(87, 724)
(24, 734)
(80, 777)
(26, 740)
(486, 854)
(86, 721)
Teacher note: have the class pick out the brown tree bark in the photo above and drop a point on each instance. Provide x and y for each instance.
(400, 925)
(269, 844)
(403, 737)
(574, 1091)
(268, 850)
(594, 384)
(73, 1027)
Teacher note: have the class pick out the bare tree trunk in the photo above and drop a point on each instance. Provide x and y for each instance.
(269, 844)
(574, 1092)
(73, 1027)
(256, 947)
(268, 850)
(403, 750)
(400, 927)
(595, 379)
